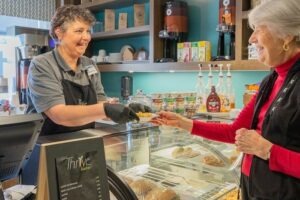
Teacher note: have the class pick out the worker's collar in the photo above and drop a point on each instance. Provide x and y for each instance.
(62, 63)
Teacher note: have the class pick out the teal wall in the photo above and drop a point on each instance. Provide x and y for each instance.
(175, 82)
(203, 18)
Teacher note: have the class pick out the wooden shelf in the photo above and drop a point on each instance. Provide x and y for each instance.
(244, 65)
(139, 30)
(111, 4)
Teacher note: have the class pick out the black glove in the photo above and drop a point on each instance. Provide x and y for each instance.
(119, 113)
(137, 107)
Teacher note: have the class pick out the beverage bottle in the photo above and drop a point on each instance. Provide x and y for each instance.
(230, 89)
(209, 82)
(222, 91)
(213, 103)
(200, 92)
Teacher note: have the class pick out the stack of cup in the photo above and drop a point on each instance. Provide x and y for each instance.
(101, 55)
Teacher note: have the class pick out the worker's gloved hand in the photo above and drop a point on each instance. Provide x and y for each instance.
(119, 113)
(137, 107)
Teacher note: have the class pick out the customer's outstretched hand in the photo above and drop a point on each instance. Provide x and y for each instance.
(172, 119)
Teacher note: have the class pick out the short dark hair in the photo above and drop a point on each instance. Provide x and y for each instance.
(70, 13)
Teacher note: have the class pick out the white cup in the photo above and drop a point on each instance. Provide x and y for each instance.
(100, 58)
(102, 53)
(94, 58)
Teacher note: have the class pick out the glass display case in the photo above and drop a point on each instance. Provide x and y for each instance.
(168, 163)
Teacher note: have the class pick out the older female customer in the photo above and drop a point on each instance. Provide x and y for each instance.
(267, 129)
(64, 85)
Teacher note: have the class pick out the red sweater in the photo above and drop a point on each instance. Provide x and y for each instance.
(281, 159)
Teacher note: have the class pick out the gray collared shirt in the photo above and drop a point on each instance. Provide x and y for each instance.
(44, 80)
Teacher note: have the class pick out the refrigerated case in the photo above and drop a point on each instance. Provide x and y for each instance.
(147, 159)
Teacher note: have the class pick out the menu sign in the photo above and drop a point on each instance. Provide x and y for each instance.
(78, 176)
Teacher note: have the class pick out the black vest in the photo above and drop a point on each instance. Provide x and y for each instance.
(281, 126)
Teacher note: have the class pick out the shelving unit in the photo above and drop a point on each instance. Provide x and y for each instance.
(243, 33)
(140, 30)
(244, 65)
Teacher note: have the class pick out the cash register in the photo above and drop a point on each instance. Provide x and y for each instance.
(18, 135)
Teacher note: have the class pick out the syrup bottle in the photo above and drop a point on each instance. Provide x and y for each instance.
(213, 103)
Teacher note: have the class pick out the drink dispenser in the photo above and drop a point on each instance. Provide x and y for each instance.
(32, 45)
(126, 87)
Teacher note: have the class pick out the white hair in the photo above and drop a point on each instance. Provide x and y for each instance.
(282, 17)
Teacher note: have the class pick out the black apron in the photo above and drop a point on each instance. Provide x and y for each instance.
(74, 94)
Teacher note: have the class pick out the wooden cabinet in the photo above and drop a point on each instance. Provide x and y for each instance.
(155, 47)
(150, 29)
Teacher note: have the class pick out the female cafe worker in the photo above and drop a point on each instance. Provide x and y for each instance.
(64, 85)
(267, 130)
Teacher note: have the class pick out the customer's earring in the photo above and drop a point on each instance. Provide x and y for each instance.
(285, 47)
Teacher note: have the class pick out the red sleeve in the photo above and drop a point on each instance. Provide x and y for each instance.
(225, 132)
(285, 161)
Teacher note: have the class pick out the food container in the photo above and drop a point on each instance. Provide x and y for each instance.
(157, 102)
(169, 102)
(179, 103)
(141, 98)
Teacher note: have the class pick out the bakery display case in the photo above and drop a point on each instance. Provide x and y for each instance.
(168, 163)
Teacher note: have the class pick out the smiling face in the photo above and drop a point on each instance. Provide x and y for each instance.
(269, 47)
(74, 38)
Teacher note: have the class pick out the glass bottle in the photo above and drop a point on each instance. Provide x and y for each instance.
(200, 92)
(209, 82)
(222, 91)
(230, 89)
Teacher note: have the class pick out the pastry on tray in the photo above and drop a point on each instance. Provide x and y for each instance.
(213, 161)
(187, 152)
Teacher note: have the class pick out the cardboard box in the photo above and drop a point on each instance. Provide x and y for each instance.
(194, 52)
(122, 20)
(204, 50)
(109, 20)
(180, 52)
(139, 14)
(186, 52)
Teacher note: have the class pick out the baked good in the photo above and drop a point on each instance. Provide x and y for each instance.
(127, 179)
(232, 158)
(142, 186)
(184, 152)
(177, 152)
(213, 161)
(232, 195)
(162, 194)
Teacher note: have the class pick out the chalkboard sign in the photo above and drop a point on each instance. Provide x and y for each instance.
(73, 169)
